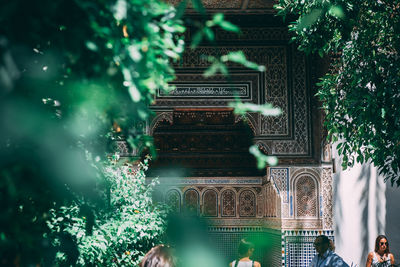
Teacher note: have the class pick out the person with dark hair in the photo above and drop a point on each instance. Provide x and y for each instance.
(245, 251)
(159, 256)
(325, 256)
(381, 256)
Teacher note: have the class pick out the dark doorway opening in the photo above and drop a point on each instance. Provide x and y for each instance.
(203, 143)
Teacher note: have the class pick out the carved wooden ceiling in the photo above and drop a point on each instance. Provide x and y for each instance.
(233, 6)
(203, 142)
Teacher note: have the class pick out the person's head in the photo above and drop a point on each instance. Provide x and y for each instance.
(382, 244)
(321, 244)
(159, 256)
(246, 248)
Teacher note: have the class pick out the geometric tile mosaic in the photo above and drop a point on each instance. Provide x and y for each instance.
(297, 247)
(267, 243)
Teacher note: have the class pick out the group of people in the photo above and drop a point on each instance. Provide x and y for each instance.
(162, 256)
(380, 257)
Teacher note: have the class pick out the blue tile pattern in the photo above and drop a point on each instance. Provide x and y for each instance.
(297, 247)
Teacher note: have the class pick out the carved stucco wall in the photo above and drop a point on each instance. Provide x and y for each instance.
(294, 197)
(297, 201)
(225, 201)
(306, 194)
(284, 83)
(287, 198)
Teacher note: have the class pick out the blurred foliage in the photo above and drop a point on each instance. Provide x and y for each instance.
(118, 235)
(361, 91)
(74, 77)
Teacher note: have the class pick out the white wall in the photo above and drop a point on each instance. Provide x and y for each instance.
(364, 207)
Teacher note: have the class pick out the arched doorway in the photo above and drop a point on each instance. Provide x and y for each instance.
(202, 142)
(205, 168)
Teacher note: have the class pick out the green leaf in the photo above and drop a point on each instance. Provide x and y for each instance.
(209, 33)
(265, 109)
(211, 70)
(197, 38)
(262, 160)
(218, 18)
(336, 11)
(227, 26)
(309, 19)
(92, 46)
(198, 6)
(180, 10)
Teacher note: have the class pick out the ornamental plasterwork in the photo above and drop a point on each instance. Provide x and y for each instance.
(319, 199)
(306, 197)
(285, 209)
(254, 33)
(191, 201)
(250, 120)
(228, 203)
(300, 143)
(231, 6)
(285, 135)
(173, 199)
(310, 200)
(272, 201)
(246, 198)
(210, 203)
(302, 224)
(327, 189)
(192, 89)
(280, 176)
(247, 202)
(161, 116)
(272, 223)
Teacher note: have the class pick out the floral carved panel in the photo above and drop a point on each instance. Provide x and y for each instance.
(173, 199)
(306, 199)
(191, 203)
(247, 204)
(210, 203)
(228, 203)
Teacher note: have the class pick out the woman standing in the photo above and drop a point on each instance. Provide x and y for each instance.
(159, 256)
(381, 256)
(245, 251)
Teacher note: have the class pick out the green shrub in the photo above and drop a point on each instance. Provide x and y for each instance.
(118, 235)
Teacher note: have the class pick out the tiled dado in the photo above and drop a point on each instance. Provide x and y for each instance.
(297, 246)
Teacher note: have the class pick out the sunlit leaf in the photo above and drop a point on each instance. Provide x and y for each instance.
(309, 19)
(265, 109)
(227, 26)
(336, 11)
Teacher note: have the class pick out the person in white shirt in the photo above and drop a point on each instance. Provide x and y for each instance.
(325, 256)
(245, 250)
(381, 256)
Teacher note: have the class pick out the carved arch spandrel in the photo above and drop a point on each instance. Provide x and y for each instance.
(160, 117)
(250, 121)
